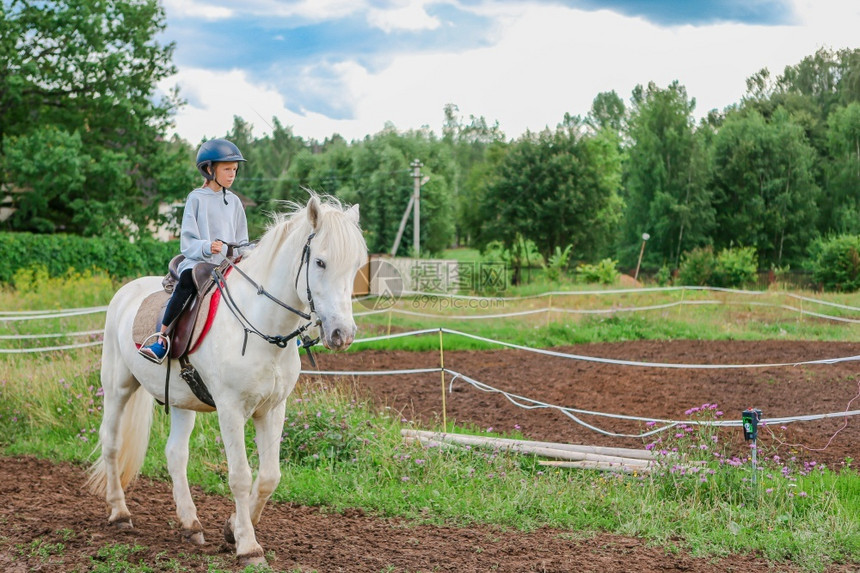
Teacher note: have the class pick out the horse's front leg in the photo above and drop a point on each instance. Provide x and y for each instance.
(181, 425)
(269, 428)
(232, 422)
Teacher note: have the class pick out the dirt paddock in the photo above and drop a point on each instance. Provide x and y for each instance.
(45, 506)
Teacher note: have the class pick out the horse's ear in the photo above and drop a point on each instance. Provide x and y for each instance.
(314, 211)
(352, 214)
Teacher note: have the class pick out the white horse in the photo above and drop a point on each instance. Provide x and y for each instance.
(307, 260)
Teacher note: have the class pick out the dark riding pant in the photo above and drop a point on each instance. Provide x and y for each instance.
(182, 292)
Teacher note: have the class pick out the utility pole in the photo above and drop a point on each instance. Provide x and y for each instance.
(402, 225)
(645, 237)
(413, 200)
(416, 200)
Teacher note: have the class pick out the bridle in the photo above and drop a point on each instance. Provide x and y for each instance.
(279, 340)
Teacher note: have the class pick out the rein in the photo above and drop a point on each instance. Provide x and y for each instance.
(279, 340)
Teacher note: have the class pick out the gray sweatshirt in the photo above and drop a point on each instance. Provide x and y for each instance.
(206, 218)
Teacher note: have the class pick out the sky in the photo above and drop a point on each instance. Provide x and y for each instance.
(353, 67)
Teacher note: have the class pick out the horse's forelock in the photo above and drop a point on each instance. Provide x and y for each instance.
(342, 237)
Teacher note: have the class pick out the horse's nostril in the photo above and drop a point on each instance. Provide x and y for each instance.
(336, 337)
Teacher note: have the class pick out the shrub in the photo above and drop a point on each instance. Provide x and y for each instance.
(604, 272)
(836, 263)
(698, 267)
(58, 253)
(557, 263)
(733, 267)
(493, 255)
(664, 276)
(737, 267)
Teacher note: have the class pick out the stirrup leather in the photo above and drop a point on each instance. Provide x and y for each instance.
(145, 343)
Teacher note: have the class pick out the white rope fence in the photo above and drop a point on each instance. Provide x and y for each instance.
(619, 362)
(517, 400)
(531, 404)
(575, 413)
(57, 335)
(614, 310)
(603, 292)
(49, 348)
(492, 301)
(12, 316)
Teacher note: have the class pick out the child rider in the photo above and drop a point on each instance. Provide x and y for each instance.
(212, 214)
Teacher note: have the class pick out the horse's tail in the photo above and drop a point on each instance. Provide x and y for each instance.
(135, 422)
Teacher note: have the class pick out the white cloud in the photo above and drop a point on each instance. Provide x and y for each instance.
(196, 10)
(545, 60)
(409, 16)
(217, 97)
(315, 10)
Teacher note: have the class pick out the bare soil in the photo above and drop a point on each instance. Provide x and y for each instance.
(44, 504)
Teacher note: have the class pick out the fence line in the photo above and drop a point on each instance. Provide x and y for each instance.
(41, 315)
(529, 403)
(49, 311)
(48, 348)
(561, 293)
(57, 335)
(545, 352)
(575, 413)
(618, 362)
(10, 316)
(613, 310)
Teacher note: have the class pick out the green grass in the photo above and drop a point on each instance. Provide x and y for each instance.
(463, 255)
(339, 452)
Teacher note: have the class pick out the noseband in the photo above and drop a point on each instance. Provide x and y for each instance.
(279, 340)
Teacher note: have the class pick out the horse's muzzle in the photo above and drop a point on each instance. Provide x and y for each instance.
(339, 338)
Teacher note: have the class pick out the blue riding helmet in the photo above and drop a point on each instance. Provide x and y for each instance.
(213, 151)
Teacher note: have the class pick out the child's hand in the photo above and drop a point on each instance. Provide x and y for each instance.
(216, 247)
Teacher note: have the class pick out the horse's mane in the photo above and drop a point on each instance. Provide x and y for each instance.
(344, 237)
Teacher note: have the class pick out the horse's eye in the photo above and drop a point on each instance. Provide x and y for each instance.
(320, 263)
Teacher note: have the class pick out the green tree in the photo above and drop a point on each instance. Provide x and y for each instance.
(49, 163)
(607, 112)
(810, 91)
(840, 202)
(764, 186)
(556, 188)
(666, 165)
(376, 174)
(469, 142)
(84, 71)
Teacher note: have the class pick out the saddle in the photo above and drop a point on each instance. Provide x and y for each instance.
(189, 328)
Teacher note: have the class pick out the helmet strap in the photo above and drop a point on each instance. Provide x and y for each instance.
(211, 170)
(223, 189)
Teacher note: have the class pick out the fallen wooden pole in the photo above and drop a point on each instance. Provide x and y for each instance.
(601, 450)
(517, 446)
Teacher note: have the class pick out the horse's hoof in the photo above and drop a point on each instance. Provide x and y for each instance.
(122, 524)
(255, 558)
(195, 537)
(228, 532)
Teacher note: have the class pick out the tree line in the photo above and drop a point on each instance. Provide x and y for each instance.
(84, 151)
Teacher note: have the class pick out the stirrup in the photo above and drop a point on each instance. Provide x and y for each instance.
(155, 360)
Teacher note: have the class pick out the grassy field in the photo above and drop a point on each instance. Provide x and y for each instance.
(341, 452)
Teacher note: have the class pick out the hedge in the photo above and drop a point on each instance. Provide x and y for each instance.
(59, 253)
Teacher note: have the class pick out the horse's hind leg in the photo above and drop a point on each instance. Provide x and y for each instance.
(181, 425)
(107, 476)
